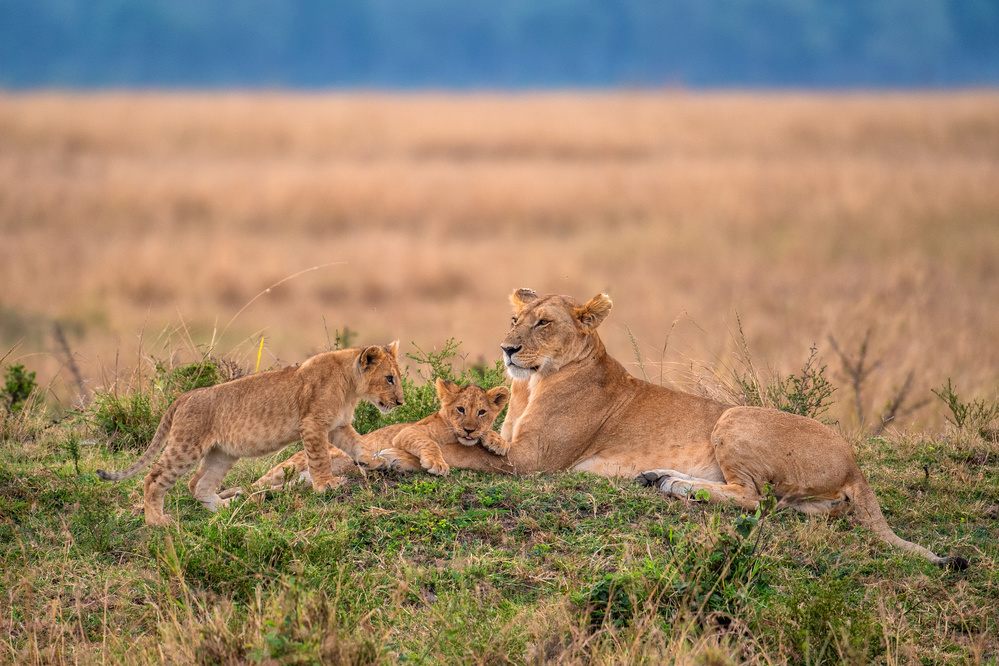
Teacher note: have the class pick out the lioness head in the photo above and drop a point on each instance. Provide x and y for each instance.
(381, 384)
(550, 331)
(470, 410)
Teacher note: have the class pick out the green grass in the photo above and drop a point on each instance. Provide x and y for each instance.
(472, 568)
(485, 569)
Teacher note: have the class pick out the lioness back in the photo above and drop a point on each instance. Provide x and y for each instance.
(260, 414)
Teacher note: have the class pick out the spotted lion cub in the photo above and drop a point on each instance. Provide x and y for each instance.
(466, 417)
(260, 414)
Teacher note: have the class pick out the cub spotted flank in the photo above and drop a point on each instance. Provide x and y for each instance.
(261, 414)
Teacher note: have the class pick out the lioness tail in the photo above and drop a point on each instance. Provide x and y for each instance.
(159, 441)
(868, 511)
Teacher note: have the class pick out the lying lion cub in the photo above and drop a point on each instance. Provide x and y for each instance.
(260, 414)
(465, 418)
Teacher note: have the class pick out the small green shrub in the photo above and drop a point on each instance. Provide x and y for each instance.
(977, 415)
(18, 387)
(807, 394)
(206, 372)
(128, 421)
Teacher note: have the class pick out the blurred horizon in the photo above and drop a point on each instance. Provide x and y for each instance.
(510, 45)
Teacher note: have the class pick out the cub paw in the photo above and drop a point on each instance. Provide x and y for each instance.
(436, 467)
(323, 485)
(496, 444)
(376, 461)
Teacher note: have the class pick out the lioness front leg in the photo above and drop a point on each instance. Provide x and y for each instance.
(492, 441)
(424, 448)
(677, 484)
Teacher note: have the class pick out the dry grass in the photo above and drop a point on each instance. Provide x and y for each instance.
(131, 214)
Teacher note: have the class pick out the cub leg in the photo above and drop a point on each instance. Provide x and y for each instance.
(427, 450)
(178, 458)
(493, 442)
(315, 438)
(677, 484)
(205, 483)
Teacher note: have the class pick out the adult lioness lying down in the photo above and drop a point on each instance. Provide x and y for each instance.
(574, 407)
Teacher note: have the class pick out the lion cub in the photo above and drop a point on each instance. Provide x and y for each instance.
(260, 414)
(466, 417)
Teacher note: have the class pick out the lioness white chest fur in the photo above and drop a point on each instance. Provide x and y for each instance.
(261, 414)
(572, 406)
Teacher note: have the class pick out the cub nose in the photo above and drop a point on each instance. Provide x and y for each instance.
(510, 350)
(469, 431)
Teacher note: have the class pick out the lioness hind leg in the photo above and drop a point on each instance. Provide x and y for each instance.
(205, 484)
(677, 484)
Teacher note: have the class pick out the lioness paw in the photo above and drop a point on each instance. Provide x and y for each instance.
(493, 442)
(668, 481)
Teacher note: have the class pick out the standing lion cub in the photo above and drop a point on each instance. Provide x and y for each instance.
(466, 417)
(260, 414)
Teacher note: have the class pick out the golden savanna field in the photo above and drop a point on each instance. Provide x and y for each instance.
(164, 217)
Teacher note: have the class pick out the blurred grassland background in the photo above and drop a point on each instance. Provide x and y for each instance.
(154, 219)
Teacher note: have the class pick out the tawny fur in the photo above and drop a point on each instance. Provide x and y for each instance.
(464, 421)
(261, 414)
(572, 406)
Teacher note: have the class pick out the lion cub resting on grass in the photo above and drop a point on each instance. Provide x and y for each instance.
(466, 417)
(261, 414)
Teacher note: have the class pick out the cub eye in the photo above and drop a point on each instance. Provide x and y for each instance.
(390, 379)
(461, 410)
(482, 412)
(513, 321)
(542, 322)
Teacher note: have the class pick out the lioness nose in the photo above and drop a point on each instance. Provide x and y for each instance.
(510, 351)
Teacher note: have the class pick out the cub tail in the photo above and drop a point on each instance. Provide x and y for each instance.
(157, 445)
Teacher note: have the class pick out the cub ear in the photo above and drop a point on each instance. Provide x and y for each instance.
(594, 312)
(393, 349)
(370, 356)
(498, 396)
(522, 297)
(446, 389)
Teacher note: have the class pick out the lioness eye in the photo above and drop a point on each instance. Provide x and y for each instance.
(482, 412)
(461, 410)
(541, 322)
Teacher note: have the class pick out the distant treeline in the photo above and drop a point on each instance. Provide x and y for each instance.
(498, 43)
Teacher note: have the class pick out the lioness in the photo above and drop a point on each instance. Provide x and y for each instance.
(574, 407)
(465, 419)
(260, 414)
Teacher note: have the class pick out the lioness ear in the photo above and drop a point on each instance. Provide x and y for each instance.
(591, 314)
(522, 297)
(498, 396)
(369, 356)
(393, 348)
(445, 388)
